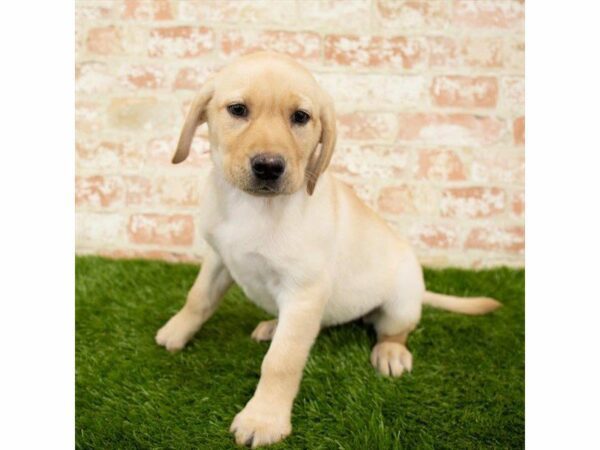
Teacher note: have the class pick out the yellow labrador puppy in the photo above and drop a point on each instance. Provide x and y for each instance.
(298, 242)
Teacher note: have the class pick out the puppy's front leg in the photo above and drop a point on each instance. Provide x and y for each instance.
(202, 301)
(266, 418)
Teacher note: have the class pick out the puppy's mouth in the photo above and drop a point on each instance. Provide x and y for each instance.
(264, 189)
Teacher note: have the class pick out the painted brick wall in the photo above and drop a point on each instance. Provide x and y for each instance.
(430, 100)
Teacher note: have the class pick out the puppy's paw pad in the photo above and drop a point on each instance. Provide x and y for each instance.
(254, 429)
(391, 359)
(178, 331)
(264, 331)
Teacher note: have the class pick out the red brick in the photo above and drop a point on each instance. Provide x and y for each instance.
(366, 126)
(180, 191)
(406, 91)
(143, 76)
(335, 14)
(192, 78)
(440, 165)
(359, 162)
(146, 10)
(450, 129)
(93, 10)
(180, 42)
(444, 52)
(99, 191)
(105, 40)
(472, 202)
(519, 130)
(411, 15)
(262, 12)
(375, 51)
(513, 94)
(138, 190)
(434, 236)
(160, 229)
(468, 52)
(407, 199)
(518, 204)
(488, 14)
(482, 52)
(496, 238)
(108, 154)
(183, 191)
(463, 91)
(498, 167)
(396, 200)
(300, 45)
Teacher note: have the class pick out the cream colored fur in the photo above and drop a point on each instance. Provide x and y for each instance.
(307, 251)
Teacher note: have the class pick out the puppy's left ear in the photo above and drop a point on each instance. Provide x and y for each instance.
(195, 117)
(318, 163)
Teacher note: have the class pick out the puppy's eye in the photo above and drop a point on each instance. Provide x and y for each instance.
(238, 110)
(300, 117)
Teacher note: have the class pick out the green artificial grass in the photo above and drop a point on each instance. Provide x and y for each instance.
(466, 389)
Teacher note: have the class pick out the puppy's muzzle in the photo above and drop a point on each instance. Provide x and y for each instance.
(267, 167)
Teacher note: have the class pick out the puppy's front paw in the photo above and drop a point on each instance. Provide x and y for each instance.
(178, 330)
(264, 331)
(391, 358)
(255, 425)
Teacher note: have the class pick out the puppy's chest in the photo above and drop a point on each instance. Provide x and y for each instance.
(254, 259)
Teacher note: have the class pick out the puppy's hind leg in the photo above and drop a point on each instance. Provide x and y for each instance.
(393, 323)
(264, 331)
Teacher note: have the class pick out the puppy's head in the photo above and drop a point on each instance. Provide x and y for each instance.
(266, 117)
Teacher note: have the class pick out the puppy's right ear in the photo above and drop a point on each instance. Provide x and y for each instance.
(195, 117)
(319, 163)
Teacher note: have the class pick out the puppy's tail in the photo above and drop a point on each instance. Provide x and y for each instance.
(464, 305)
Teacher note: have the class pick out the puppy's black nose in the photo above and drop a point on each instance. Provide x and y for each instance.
(267, 166)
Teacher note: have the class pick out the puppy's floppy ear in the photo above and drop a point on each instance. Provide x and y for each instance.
(318, 163)
(195, 117)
